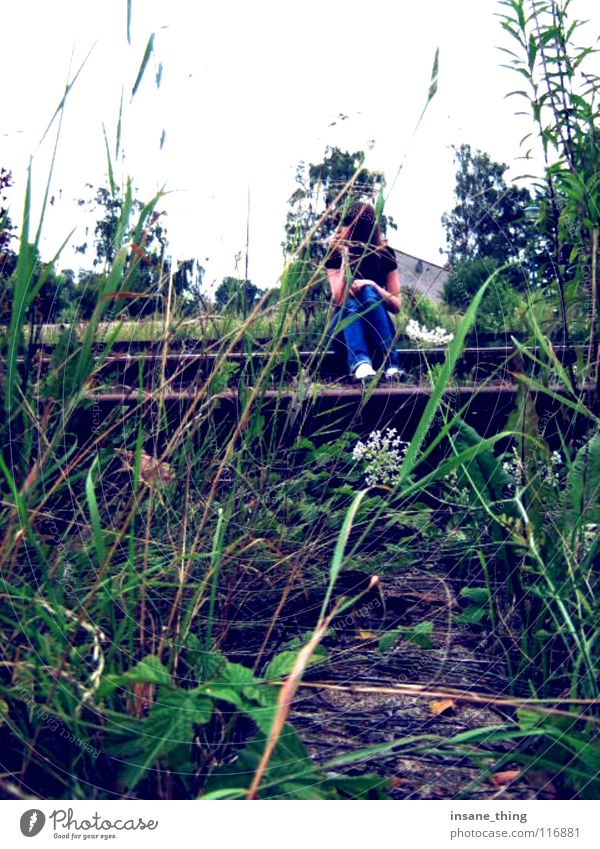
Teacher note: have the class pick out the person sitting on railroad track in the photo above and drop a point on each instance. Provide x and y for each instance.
(365, 288)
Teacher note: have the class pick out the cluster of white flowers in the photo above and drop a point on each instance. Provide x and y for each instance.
(514, 467)
(382, 454)
(590, 532)
(549, 473)
(430, 338)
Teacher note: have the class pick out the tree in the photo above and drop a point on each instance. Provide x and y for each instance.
(236, 296)
(8, 258)
(110, 206)
(6, 225)
(318, 186)
(56, 290)
(124, 218)
(187, 285)
(489, 220)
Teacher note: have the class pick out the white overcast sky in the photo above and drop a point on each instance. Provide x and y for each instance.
(248, 90)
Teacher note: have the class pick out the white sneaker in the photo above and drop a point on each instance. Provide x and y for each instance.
(363, 371)
(393, 372)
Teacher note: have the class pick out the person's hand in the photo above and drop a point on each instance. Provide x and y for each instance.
(360, 284)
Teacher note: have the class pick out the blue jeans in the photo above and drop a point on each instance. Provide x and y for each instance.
(368, 331)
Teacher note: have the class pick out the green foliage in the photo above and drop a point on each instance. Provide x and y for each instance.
(283, 663)
(53, 292)
(170, 724)
(6, 225)
(421, 308)
(561, 90)
(236, 296)
(419, 634)
(478, 608)
(291, 774)
(567, 746)
(580, 497)
(489, 219)
(149, 670)
(503, 308)
(166, 734)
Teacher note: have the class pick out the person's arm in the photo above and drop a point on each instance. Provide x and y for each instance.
(337, 281)
(390, 295)
(337, 284)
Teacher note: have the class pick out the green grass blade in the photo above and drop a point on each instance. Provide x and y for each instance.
(434, 75)
(95, 514)
(119, 127)
(111, 176)
(454, 351)
(215, 565)
(21, 280)
(338, 555)
(146, 58)
(532, 383)
(128, 21)
(84, 365)
(68, 88)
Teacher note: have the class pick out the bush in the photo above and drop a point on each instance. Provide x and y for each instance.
(502, 308)
(420, 307)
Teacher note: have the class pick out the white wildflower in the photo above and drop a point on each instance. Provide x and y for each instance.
(514, 467)
(382, 454)
(430, 338)
(590, 532)
(359, 451)
(549, 474)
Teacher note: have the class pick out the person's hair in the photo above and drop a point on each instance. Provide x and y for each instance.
(364, 228)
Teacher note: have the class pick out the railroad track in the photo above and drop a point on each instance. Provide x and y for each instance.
(185, 370)
(314, 385)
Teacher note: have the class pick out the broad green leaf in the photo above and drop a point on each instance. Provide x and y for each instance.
(485, 470)
(149, 670)
(291, 771)
(170, 724)
(282, 664)
(419, 635)
(581, 495)
(473, 615)
(477, 594)
(528, 719)
(446, 371)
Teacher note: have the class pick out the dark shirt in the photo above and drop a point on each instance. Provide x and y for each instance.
(366, 262)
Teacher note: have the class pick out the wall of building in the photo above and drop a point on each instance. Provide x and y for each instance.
(421, 275)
